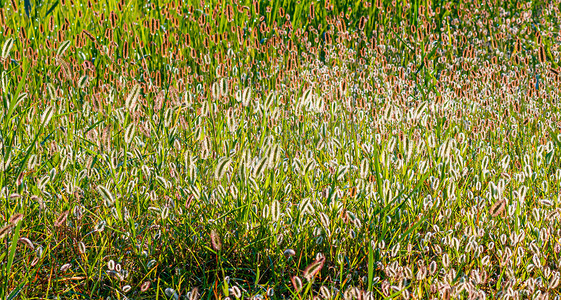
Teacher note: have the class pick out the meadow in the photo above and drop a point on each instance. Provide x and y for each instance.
(246, 149)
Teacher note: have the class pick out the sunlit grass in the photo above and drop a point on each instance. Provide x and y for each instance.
(279, 150)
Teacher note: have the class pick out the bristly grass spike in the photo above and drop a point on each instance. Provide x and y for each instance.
(7, 47)
(47, 115)
(62, 48)
(130, 101)
(107, 196)
(129, 133)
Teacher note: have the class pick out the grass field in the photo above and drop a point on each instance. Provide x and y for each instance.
(280, 150)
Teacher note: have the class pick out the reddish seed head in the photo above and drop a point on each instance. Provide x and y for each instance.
(215, 241)
(15, 219)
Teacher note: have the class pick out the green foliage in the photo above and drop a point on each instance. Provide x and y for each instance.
(283, 149)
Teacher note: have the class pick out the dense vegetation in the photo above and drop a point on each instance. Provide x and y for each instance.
(282, 149)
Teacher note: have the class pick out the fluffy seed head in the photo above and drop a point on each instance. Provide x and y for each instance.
(314, 268)
(215, 241)
(15, 219)
(297, 283)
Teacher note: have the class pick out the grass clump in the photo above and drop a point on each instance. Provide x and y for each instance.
(279, 149)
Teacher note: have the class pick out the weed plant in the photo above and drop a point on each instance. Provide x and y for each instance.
(280, 149)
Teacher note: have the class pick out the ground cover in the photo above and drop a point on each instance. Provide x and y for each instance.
(283, 149)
